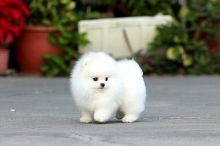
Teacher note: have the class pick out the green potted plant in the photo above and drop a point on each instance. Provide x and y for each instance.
(46, 17)
(189, 45)
(12, 19)
(175, 51)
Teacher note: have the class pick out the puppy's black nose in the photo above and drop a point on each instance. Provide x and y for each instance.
(102, 85)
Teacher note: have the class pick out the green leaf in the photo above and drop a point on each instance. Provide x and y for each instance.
(53, 38)
(62, 41)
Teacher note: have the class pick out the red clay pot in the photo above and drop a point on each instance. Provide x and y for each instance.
(31, 47)
(4, 57)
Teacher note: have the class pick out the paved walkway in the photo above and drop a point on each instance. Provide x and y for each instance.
(181, 111)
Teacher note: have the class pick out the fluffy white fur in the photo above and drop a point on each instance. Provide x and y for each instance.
(102, 87)
(133, 100)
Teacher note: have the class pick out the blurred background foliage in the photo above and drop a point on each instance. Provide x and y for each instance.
(189, 45)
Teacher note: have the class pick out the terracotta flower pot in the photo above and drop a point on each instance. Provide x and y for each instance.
(31, 47)
(4, 57)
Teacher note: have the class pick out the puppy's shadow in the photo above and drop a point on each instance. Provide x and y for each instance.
(108, 122)
(115, 121)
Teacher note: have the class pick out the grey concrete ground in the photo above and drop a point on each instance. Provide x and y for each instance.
(180, 111)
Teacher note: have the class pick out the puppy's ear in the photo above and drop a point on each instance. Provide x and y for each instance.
(85, 62)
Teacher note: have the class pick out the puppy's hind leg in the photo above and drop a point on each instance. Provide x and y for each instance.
(119, 114)
(129, 118)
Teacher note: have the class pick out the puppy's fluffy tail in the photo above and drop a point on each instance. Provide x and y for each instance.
(130, 68)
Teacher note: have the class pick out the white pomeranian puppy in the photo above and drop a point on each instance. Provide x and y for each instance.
(102, 86)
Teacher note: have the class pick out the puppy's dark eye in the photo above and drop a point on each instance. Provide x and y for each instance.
(95, 79)
(106, 79)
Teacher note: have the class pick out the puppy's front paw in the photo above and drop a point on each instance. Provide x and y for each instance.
(101, 116)
(85, 119)
(129, 118)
